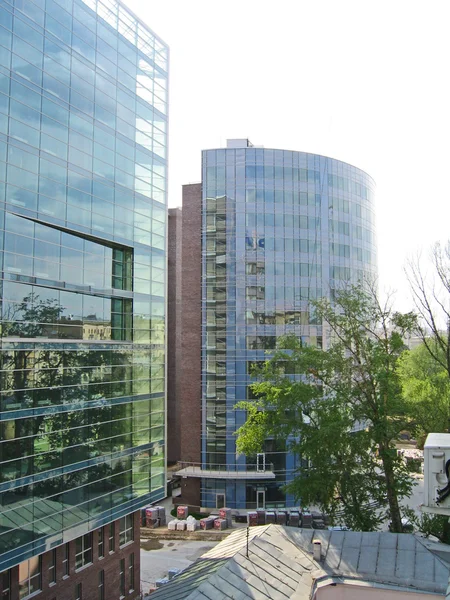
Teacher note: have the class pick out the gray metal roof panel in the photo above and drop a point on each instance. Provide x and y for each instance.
(352, 539)
(253, 577)
(441, 570)
(405, 564)
(368, 559)
(188, 580)
(424, 567)
(349, 559)
(386, 563)
(389, 540)
(370, 538)
(406, 542)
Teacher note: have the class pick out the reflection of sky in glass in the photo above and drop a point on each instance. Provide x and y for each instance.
(75, 161)
(279, 228)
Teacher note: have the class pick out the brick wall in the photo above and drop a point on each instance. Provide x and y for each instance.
(173, 333)
(184, 407)
(88, 576)
(189, 374)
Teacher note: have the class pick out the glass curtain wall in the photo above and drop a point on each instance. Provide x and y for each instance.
(279, 228)
(83, 171)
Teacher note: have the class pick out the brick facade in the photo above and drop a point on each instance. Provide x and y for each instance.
(173, 333)
(88, 576)
(185, 336)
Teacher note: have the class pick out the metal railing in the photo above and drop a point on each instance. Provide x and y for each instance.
(225, 468)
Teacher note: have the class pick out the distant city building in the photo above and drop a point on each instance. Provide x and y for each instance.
(83, 171)
(265, 232)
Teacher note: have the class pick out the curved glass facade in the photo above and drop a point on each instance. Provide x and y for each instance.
(83, 121)
(279, 228)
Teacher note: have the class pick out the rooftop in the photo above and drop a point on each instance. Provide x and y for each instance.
(277, 563)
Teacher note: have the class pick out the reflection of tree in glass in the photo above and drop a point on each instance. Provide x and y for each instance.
(31, 317)
(50, 374)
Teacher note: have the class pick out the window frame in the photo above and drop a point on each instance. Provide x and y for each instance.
(101, 543)
(126, 530)
(78, 591)
(86, 549)
(65, 560)
(6, 591)
(122, 578)
(101, 585)
(112, 538)
(52, 568)
(27, 580)
(131, 574)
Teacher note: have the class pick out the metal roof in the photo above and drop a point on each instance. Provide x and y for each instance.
(280, 566)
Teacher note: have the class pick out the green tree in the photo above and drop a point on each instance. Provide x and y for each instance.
(340, 410)
(426, 389)
(436, 525)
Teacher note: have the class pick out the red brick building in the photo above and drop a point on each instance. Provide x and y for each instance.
(184, 392)
(101, 565)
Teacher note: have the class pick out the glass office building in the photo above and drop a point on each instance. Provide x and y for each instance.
(83, 172)
(279, 228)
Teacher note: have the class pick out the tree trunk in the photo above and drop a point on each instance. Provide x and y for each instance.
(394, 509)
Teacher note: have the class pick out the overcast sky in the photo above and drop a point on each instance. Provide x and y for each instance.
(366, 82)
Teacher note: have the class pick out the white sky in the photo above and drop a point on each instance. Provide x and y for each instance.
(363, 81)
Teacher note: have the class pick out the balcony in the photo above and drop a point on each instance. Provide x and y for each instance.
(232, 471)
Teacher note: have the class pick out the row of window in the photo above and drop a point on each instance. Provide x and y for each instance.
(218, 294)
(288, 294)
(272, 193)
(98, 167)
(83, 261)
(24, 186)
(55, 171)
(86, 46)
(357, 231)
(217, 175)
(83, 152)
(44, 453)
(59, 304)
(55, 502)
(281, 243)
(72, 216)
(279, 317)
(93, 95)
(115, 26)
(349, 207)
(269, 342)
(30, 571)
(70, 397)
(278, 220)
(57, 113)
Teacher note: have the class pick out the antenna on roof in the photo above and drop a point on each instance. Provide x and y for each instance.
(248, 529)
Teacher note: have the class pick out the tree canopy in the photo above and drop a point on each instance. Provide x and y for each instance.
(340, 410)
(426, 389)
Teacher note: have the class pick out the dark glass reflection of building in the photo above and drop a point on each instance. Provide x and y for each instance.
(83, 130)
(277, 229)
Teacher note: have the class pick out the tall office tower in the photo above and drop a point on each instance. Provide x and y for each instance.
(277, 229)
(83, 130)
